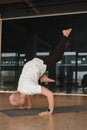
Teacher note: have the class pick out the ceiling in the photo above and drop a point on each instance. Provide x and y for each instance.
(22, 8)
(45, 18)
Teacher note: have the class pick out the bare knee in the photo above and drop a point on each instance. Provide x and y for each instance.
(46, 92)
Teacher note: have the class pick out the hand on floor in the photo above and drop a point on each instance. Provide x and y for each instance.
(46, 113)
(25, 107)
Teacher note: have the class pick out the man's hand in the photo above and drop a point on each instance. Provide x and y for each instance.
(24, 107)
(46, 113)
(28, 103)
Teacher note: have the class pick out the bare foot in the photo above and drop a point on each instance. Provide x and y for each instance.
(44, 78)
(67, 32)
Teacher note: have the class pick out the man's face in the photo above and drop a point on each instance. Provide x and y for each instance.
(17, 99)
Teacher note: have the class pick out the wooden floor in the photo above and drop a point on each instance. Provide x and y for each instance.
(60, 121)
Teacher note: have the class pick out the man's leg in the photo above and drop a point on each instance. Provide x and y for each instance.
(58, 51)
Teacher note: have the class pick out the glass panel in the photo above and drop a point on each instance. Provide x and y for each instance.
(64, 72)
(82, 71)
(66, 80)
(11, 65)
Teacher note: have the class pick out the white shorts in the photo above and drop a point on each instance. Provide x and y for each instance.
(29, 87)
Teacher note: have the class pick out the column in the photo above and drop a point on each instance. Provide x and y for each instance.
(0, 46)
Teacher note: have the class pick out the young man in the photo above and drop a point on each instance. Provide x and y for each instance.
(33, 70)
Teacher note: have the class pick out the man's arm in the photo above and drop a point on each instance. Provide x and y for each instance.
(50, 98)
(30, 101)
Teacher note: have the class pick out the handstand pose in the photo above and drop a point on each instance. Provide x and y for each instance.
(33, 70)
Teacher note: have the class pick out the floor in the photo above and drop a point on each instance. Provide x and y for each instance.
(62, 121)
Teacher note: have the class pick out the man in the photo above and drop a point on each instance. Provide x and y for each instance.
(34, 70)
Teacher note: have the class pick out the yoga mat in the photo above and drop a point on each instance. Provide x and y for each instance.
(35, 111)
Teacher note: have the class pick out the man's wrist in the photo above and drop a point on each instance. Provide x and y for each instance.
(50, 110)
